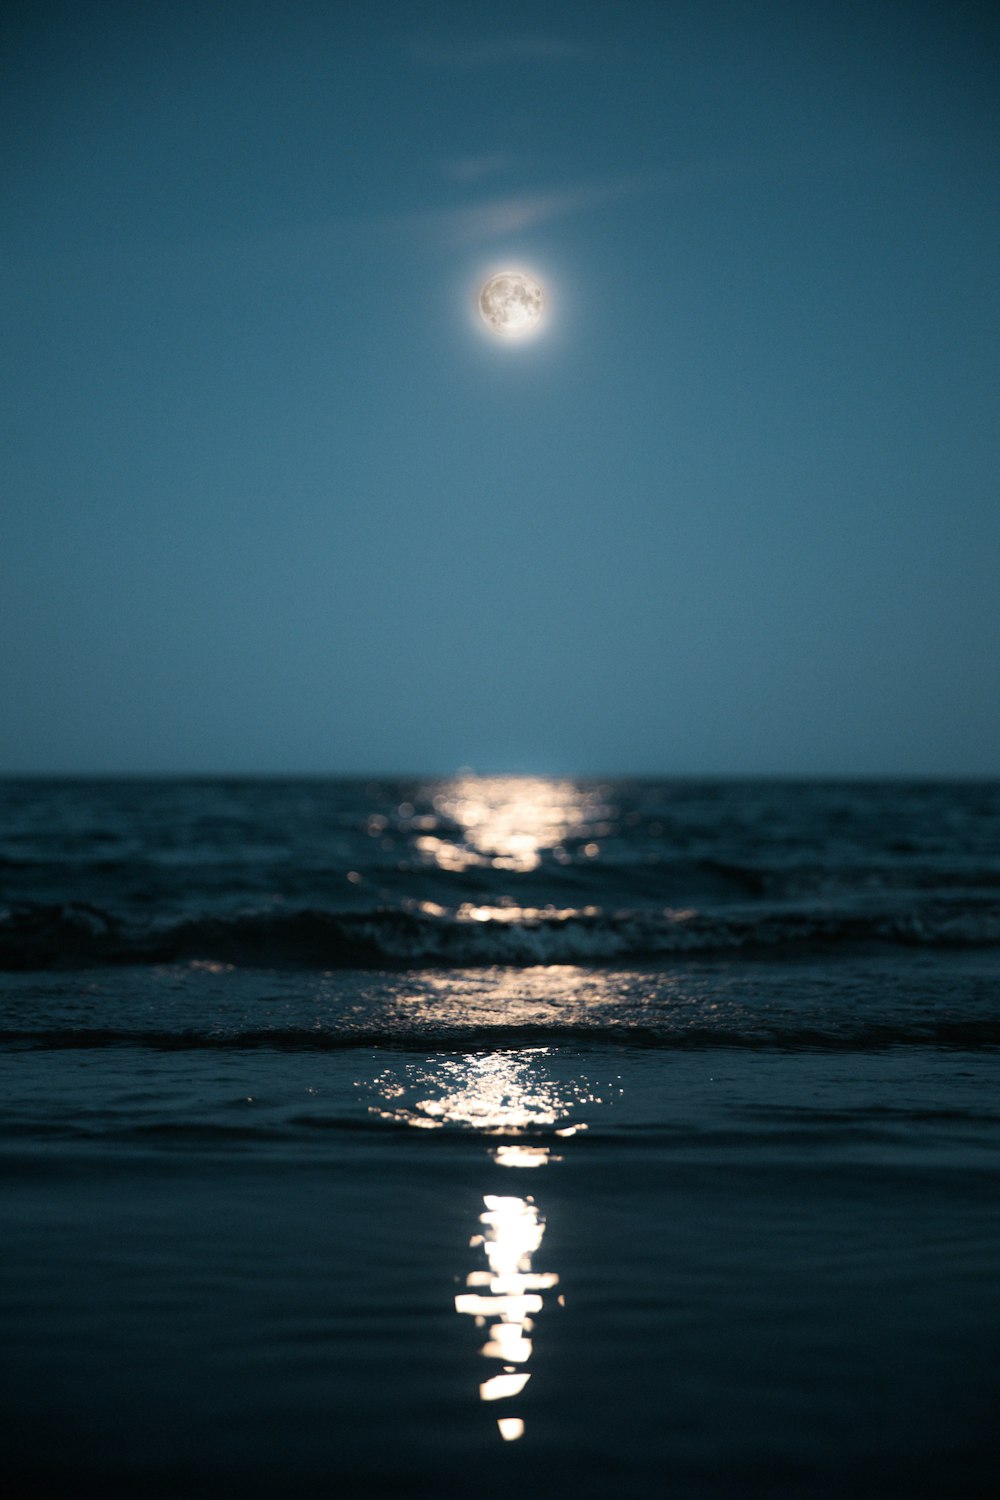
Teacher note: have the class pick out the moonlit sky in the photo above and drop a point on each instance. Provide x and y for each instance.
(272, 503)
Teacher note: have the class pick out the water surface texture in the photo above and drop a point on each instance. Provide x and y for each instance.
(500, 1135)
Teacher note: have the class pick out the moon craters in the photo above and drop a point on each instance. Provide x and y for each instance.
(511, 304)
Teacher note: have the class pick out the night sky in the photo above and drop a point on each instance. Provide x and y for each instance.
(272, 503)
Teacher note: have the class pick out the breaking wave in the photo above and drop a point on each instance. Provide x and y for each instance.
(81, 936)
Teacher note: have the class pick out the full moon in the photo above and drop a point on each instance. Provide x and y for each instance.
(511, 304)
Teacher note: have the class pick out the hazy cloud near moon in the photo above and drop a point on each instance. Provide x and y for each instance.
(494, 217)
(474, 168)
(510, 213)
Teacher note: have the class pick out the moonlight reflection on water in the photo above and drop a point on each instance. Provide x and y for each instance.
(496, 1093)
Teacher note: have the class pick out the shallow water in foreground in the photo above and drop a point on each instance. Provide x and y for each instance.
(713, 1213)
(291, 1258)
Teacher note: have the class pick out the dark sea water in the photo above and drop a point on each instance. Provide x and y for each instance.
(500, 1136)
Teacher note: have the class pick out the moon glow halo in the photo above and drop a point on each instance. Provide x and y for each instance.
(511, 304)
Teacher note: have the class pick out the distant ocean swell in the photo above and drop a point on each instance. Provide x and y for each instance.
(78, 935)
(705, 879)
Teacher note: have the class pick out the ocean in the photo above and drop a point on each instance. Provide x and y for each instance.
(500, 1135)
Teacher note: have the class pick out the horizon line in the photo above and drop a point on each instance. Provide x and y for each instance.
(487, 774)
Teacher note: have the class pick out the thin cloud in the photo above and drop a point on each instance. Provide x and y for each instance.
(475, 168)
(503, 215)
(493, 218)
(497, 51)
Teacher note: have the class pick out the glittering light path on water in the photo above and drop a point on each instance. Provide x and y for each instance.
(497, 1093)
(506, 1298)
(509, 822)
